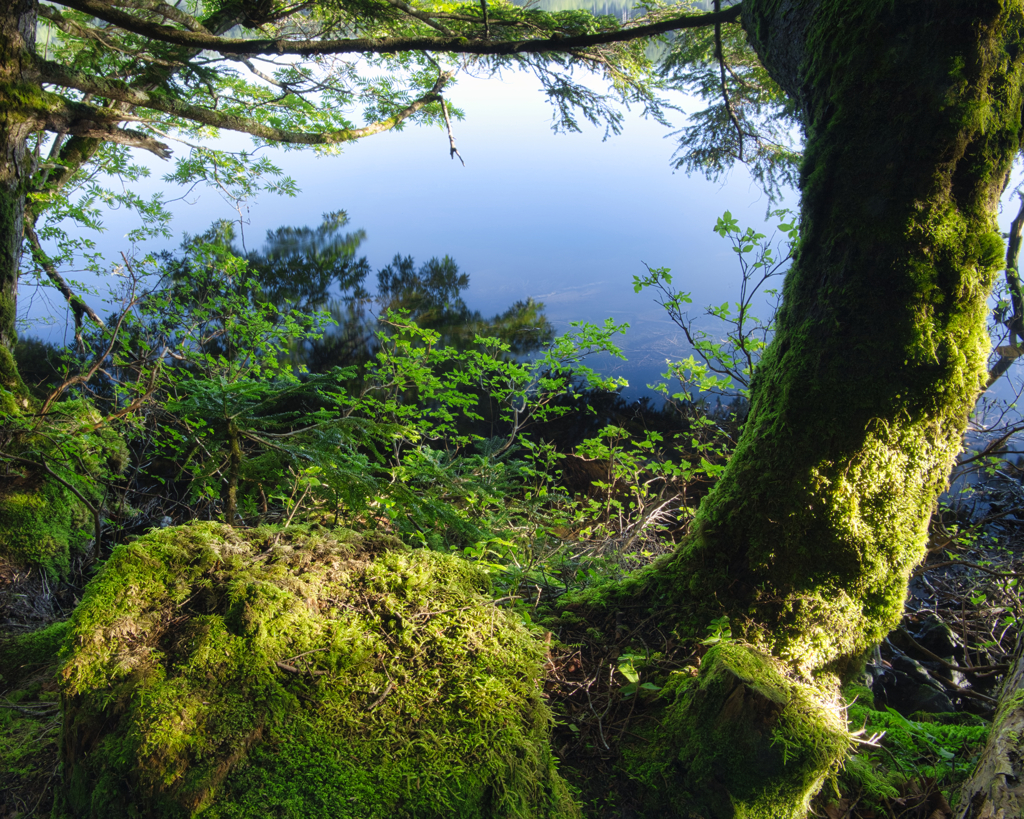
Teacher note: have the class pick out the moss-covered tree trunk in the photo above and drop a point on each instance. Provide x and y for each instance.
(912, 110)
(17, 38)
(913, 118)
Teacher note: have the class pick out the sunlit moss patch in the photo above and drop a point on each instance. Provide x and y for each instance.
(740, 739)
(300, 672)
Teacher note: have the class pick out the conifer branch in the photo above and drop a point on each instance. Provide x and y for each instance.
(57, 74)
(720, 56)
(390, 45)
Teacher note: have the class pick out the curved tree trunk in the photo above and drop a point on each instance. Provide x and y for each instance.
(17, 37)
(996, 789)
(913, 118)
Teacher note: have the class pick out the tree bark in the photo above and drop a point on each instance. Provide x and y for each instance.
(913, 118)
(17, 38)
(996, 789)
(912, 112)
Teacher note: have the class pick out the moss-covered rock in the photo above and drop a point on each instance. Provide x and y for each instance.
(24, 654)
(42, 522)
(221, 673)
(741, 740)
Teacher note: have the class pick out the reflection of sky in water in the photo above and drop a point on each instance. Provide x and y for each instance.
(567, 219)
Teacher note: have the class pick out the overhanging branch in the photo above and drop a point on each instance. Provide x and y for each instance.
(390, 45)
(57, 74)
(720, 56)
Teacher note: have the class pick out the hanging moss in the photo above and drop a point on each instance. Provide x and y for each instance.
(220, 673)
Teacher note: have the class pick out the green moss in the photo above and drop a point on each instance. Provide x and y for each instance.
(218, 673)
(924, 748)
(741, 739)
(25, 654)
(13, 392)
(29, 721)
(42, 525)
(42, 522)
(859, 405)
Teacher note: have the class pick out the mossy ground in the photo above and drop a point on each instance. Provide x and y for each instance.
(938, 749)
(29, 722)
(214, 672)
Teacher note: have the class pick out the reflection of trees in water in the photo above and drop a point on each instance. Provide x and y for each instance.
(303, 265)
(620, 9)
(318, 269)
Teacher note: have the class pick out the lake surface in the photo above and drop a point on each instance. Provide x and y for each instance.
(566, 220)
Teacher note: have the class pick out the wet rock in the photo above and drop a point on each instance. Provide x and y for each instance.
(909, 688)
(935, 635)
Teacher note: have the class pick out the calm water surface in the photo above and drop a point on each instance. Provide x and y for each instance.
(566, 220)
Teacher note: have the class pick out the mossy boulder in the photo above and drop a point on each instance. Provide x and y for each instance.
(740, 740)
(23, 654)
(42, 522)
(304, 673)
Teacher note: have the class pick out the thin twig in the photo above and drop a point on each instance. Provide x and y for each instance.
(720, 56)
(980, 568)
(382, 697)
(293, 670)
(932, 656)
(454, 152)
